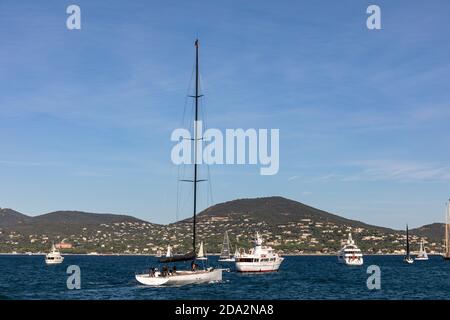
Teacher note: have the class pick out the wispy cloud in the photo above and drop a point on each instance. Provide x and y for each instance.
(377, 170)
(20, 163)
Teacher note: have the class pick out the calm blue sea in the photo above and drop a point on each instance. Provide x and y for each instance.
(306, 277)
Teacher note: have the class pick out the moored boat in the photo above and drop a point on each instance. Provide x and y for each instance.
(422, 255)
(350, 254)
(225, 254)
(259, 259)
(202, 252)
(407, 259)
(54, 256)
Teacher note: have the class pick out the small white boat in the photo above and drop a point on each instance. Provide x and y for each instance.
(350, 254)
(54, 256)
(422, 256)
(225, 255)
(158, 253)
(201, 253)
(407, 259)
(259, 259)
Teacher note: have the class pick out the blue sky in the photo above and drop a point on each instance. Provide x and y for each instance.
(364, 116)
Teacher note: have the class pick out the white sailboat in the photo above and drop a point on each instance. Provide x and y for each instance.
(422, 253)
(201, 253)
(407, 258)
(194, 275)
(169, 251)
(54, 256)
(225, 254)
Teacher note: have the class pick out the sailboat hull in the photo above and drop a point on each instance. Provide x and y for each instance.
(421, 258)
(408, 260)
(227, 260)
(181, 278)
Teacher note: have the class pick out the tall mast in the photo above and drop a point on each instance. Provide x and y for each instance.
(195, 144)
(407, 241)
(446, 228)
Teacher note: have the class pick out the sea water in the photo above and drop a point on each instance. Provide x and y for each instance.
(300, 277)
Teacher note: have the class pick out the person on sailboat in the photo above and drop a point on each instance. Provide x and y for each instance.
(165, 271)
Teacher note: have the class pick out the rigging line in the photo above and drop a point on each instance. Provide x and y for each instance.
(210, 187)
(205, 122)
(186, 99)
(186, 199)
(183, 119)
(203, 104)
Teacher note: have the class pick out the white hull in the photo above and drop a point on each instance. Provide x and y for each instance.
(227, 260)
(181, 278)
(54, 261)
(349, 261)
(421, 258)
(259, 266)
(408, 260)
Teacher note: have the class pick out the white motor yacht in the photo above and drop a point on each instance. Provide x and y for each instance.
(54, 256)
(350, 254)
(259, 259)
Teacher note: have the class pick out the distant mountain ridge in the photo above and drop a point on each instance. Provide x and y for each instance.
(285, 224)
(280, 210)
(433, 231)
(53, 221)
(9, 217)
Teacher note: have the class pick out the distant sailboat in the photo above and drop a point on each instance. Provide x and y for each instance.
(225, 254)
(169, 251)
(201, 252)
(407, 258)
(446, 254)
(158, 253)
(422, 253)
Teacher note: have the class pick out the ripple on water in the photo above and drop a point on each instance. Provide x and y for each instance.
(306, 277)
